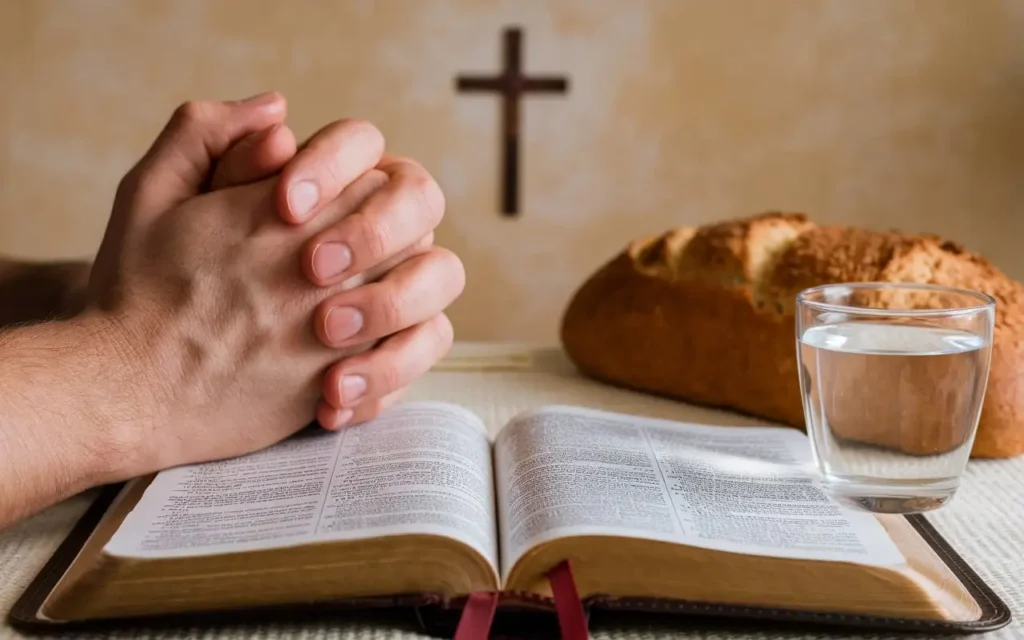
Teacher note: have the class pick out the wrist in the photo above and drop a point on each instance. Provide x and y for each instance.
(121, 408)
(52, 445)
(70, 414)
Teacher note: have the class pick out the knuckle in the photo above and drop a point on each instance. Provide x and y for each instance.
(439, 202)
(365, 129)
(390, 309)
(128, 185)
(389, 376)
(427, 195)
(315, 164)
(191, 113)
(444, 333)
(426, 242)
(134, 185)
(374, 239)
(419, 181)
(454, 269)
(326, 169)
(354, 196)
(461, 272)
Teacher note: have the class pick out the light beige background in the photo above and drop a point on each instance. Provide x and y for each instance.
(887, 113)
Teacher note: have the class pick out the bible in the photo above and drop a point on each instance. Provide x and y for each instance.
(423, 506)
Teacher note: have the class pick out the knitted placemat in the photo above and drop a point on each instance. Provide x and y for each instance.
(984, 523)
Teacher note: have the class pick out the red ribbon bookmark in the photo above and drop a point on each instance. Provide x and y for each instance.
(477, 616)
(572, 619)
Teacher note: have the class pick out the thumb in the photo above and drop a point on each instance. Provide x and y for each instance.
(178, 164)
(256, 157)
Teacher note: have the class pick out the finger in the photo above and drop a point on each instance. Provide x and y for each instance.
(418, 289)
(375, 273)
(257, 156)
(393, 364)
(404, 210)
(323, 167)
(333, 419)
(179, 162)
(255, 206)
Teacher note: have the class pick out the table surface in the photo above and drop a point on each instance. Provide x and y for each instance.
(984, 523)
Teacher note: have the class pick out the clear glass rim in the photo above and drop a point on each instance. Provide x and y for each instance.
(985, 301)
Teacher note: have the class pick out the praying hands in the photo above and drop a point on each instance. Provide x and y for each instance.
(244, 288)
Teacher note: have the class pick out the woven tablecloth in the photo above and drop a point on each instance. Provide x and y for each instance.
(985, 523)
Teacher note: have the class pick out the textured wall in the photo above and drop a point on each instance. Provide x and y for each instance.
(875, 112)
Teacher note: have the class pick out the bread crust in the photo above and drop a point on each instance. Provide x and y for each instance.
(706, 315)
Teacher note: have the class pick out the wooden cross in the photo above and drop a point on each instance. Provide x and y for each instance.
(511, 84)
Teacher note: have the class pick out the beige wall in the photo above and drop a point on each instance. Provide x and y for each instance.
(874, 112)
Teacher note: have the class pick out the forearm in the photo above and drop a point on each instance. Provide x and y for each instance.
(37, 291)
(62, 425)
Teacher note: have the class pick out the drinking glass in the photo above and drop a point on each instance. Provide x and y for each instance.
(893, 376)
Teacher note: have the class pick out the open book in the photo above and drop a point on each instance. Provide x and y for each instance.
(421, 501)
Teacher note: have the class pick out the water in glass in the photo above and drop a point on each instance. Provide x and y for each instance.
(892, 396)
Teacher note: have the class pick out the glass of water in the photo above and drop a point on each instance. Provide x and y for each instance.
(893, 377)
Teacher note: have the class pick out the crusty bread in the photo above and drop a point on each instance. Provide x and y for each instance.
(706, 315)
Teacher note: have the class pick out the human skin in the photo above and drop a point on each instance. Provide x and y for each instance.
(397, 224)
(206, 328)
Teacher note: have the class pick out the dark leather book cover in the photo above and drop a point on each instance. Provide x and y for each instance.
(518, 615)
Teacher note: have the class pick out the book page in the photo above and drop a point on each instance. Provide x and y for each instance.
(567, 471)
(420, 468)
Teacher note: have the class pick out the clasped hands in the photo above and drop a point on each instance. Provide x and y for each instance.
(248, 286)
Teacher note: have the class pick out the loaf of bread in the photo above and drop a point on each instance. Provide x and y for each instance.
(706, 315)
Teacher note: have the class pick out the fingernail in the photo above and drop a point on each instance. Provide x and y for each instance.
(343, 417)
(330, 259)
(260, 98)
(342, 323)
(352, 388)
(302, 197)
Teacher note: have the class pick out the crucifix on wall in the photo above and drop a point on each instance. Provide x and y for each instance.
(511, 84)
